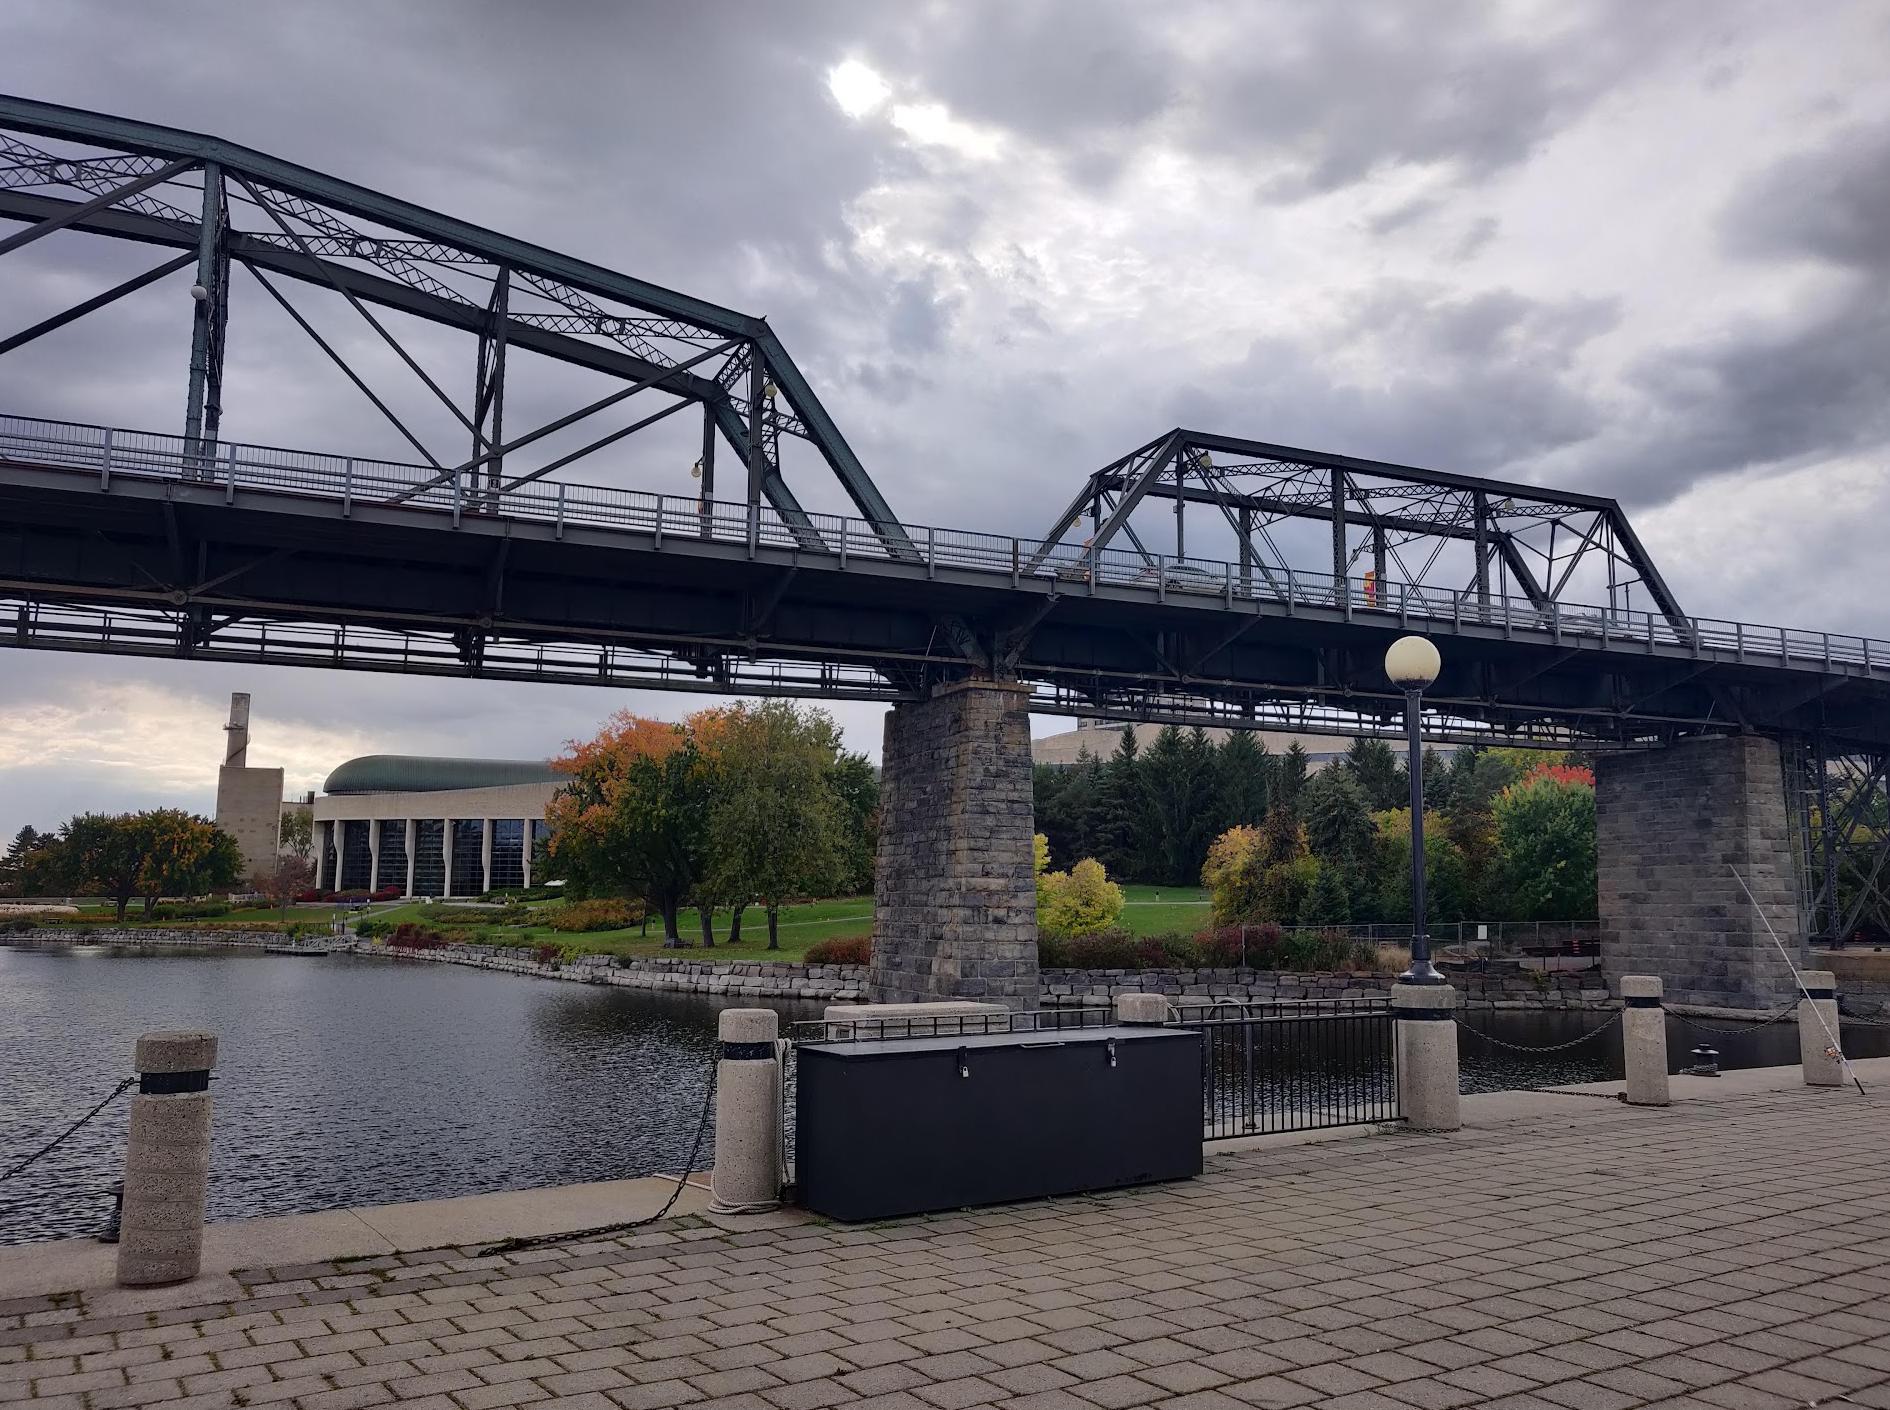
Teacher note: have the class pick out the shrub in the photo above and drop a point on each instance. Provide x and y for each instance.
(387, 893)
(544, 952)
(1081, 901)
(855, 949)
(410, 935)
(17, 925)
(608, 914)
(189, 910)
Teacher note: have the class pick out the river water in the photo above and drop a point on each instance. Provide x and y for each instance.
(345, 1081)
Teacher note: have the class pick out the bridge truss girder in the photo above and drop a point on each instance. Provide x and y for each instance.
(225, 207)
(1521, 536)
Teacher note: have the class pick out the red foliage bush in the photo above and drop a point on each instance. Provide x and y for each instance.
(547, 953)
(857, 949)
(386, 893)
(411, 936)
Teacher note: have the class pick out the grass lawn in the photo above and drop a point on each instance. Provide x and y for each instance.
(1151, 910)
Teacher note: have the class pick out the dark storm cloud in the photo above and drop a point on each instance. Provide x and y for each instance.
(1830, 203)
(1326, 95)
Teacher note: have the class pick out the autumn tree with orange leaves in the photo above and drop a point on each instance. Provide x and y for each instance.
(631, 819)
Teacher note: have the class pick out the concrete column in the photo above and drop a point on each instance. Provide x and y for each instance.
(954, 895)
(1671, 827)
(1644, 1040)
(1139, 1009)
(485, 855)
(446, 858)
(1424, 1039)
(412, 841)
(1817, 1026)
(167, 1160)
(747, 1172)
(525, 850)
(373, 855)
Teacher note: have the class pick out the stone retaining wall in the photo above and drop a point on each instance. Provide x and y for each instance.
(141, 935)
(743, 979)
(1078, 988)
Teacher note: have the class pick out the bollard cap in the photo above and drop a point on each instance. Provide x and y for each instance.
(1641, 986)
(1141, 1008)
(1423, 996)
(175, 1052)
(748, 1026)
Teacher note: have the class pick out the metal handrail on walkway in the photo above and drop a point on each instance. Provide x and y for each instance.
(109, 452)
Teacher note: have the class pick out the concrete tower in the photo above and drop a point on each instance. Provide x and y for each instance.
(249, 801)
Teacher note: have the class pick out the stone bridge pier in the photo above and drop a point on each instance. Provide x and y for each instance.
(1671, 827)
(955, 898)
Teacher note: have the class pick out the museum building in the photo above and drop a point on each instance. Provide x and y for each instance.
(431, 827)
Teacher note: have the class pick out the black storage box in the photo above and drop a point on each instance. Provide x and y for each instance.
(914, 1125)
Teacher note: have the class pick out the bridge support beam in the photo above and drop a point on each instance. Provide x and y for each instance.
(1671, 827)
(954, 898)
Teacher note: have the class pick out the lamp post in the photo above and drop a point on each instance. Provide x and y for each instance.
(1413, 663)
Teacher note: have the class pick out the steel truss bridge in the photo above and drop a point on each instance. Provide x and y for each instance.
(490, 561)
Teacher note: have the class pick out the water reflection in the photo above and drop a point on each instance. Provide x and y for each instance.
(346, 1081)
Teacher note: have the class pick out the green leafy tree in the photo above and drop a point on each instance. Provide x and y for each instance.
(629, 821)
(855, 784)
(296, 836)
(775, 823)
(1545, 834)
(1446, 891)
(103, 855)
(183, 855)
(1246, 770)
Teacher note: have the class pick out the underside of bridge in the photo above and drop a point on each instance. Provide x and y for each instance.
(1287, 574)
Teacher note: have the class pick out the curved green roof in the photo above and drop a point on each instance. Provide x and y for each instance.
(417, 773)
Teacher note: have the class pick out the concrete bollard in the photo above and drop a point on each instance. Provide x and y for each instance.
(1142, 1008)
(1424, 1038)
(747, 1173)
(1817, 1054)
(167, 1160)
(1644, 1040)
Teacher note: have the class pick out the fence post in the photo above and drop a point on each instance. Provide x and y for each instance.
(746, 1177)
(1644, 1039)
(1817, 1022)
(1424, 1039)
(167, 1160)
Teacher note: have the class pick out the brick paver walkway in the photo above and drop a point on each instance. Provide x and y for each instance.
(1733, 1254)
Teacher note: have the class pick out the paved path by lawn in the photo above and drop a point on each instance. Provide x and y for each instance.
(1564, 1252)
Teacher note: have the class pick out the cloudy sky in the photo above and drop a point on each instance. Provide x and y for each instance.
(1641, 250)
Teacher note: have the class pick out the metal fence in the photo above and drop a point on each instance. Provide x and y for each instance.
(1294, 1065)
(105, 453)
(1288, 1065)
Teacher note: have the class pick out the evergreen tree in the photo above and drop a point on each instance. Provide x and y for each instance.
(1178, 781)
(1289, 778)
(1246, 779)
(1377, 771)
(1123, 833)
(1338, 823)
(1329, 902)
(1437, 780)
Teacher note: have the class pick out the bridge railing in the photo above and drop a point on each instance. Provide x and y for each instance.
(110, 452)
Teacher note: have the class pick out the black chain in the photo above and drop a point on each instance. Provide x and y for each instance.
(61, 1138)
(1553, 1047)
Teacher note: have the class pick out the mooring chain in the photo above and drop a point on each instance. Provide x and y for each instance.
(1553, 1047)
(65, 1135)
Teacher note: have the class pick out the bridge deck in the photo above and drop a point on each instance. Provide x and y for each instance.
(130, 542)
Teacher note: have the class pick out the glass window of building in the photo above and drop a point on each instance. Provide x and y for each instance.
(429, 857)
(393, 852)
(356, 862)
(508, 853)
(326, 879)
(469, 856)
